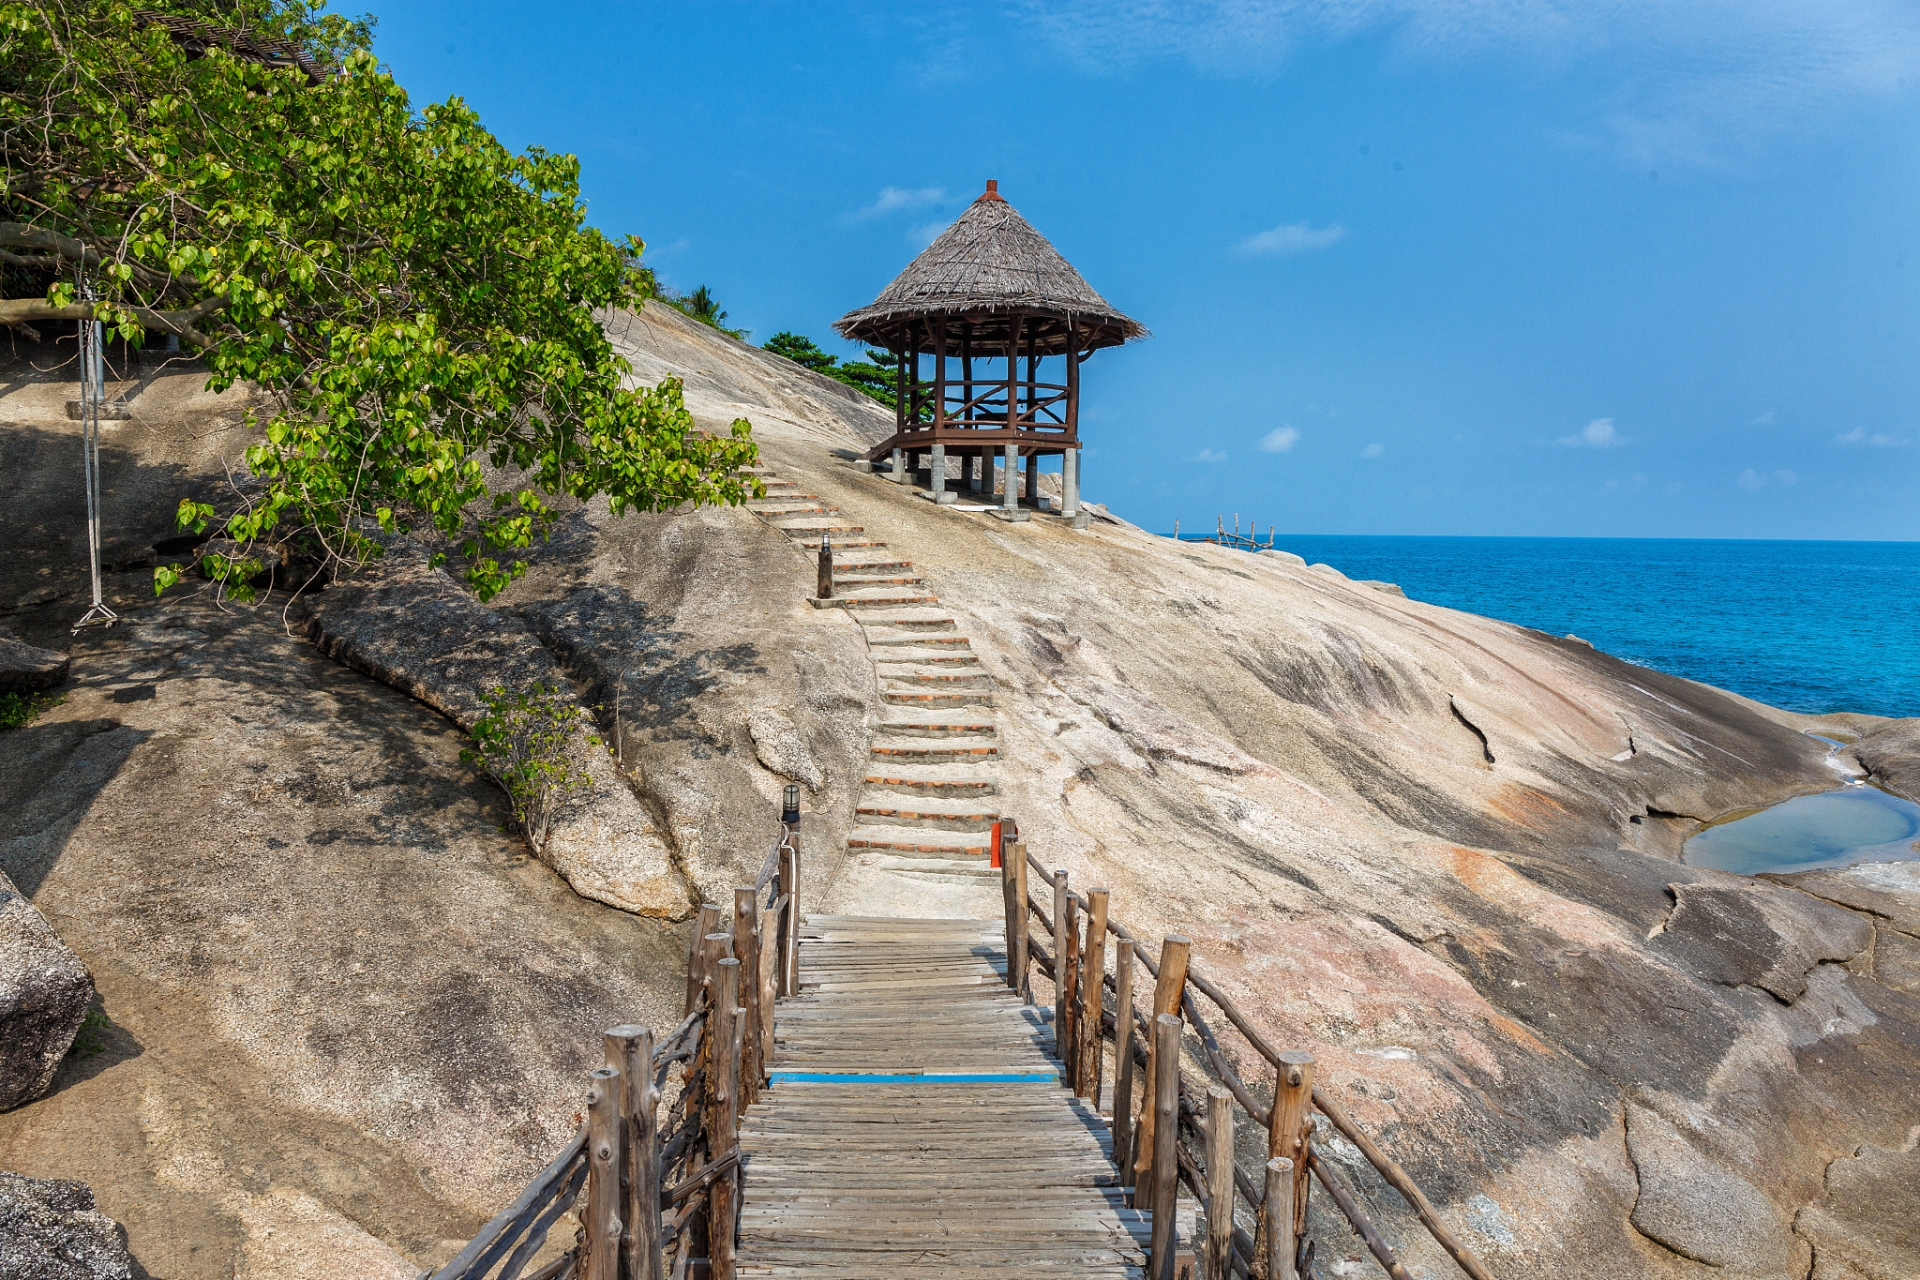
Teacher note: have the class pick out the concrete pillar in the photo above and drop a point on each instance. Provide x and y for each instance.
(1033, 480)
(1070, 483)
(899, 468)
(970, 474)
(939, 477)
(1010, 483)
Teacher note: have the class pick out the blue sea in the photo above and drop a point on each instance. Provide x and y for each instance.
(1808, 626)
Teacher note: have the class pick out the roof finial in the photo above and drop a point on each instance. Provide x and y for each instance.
(993, 192)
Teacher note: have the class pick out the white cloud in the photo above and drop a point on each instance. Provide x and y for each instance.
(1208, 455)
(1373, 451)
(1279, 440)
(1764, 420)
(1293, 237)
(926, 233)
(1879, 440)
(1598, 434)
(895, 198)
(1677, 83)
(1751, 479)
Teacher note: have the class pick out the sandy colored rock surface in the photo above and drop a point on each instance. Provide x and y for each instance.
(1441, 851)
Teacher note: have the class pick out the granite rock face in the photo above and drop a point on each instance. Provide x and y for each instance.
(1891, 756)
(44, 993)
(50, 1230)
(412, 626)
(26, 668)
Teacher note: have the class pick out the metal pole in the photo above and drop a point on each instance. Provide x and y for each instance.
(92, 391)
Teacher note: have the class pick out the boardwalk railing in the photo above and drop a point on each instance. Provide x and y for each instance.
(662, 1196)
(1183, 1129)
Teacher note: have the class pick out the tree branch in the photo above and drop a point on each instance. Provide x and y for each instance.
(24, 235)
(15, 311)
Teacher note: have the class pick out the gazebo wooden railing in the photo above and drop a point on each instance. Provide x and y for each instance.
(1183, 1129)
(662, 1196)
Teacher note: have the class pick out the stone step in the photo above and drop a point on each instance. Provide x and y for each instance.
(909, 842)
(816, 526)
(795, 509)
(929, 813)
(920, 781)
(858, 580)
(869, 566)
(963, 698)
(901, 655)
(925, 750)
(908, 620)
(883, 598)
(934, 726)
(814, 546)
(941, 871)
(940, 677)
(886, 637)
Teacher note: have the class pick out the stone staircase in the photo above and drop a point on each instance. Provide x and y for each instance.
(931, 795)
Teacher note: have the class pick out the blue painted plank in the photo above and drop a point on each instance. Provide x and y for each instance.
(922, 1077)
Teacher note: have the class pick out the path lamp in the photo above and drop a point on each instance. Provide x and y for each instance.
(790, 806)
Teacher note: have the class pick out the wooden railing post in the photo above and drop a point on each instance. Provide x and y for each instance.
(746, 948)
(1165, 1170)
(1219, 1182)
(1008, 908)
(1287, 1129)
(601, 1259)
(630, 1048)
(1060, 900)
(1070, 1047)
(1123, 1061)
(1279, 1245)
(790, 941)
(705, 923)
(1019, 956)
(1093, 967)
(1169, 989)
(723, 1116)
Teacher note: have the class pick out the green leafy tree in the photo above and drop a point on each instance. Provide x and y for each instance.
(701, 305)
(875, 375)
(417, 300)
(522, 741)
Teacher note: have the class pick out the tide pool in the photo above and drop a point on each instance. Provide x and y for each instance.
(1858, 823)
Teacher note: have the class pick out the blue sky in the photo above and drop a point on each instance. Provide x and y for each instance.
(1627, 268)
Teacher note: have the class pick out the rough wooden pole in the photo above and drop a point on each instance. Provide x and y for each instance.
(1219, 1182)
(1278, 1247)
(723, 1117)
(601, 1260)
(704, 924)
(1169, 989)
(630, 1048)
(1008, 908)
(1287, 1129)
(792, 948)
(1123, 1062)
(1018, 856)
(1060, 900)
(1093, 966)
(1165, 1169)
(746, 947)
(1070, 1047)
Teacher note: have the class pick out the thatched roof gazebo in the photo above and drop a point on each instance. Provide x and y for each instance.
(990, 291)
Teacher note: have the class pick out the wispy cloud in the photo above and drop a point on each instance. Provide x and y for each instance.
(1279, 440)
(1598, 434)
(893, 199)
(1879, 440)
(1755, 480)
(1208, 455)
(1685, 83)
(1373, 451)
(1293, 237)
(926, 233)
(1764, 420)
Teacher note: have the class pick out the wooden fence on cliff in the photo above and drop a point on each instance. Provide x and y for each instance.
(662, 1196)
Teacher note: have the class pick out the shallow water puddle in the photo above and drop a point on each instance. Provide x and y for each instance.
(1857, 823)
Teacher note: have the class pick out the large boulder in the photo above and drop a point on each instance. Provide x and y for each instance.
(49, 1230)
(1891, 756)
(44, 994)
(26, 668)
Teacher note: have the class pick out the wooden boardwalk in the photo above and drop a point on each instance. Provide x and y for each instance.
(916, 1129)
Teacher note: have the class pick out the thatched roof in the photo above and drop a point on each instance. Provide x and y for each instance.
(196, 37)
(989, 266)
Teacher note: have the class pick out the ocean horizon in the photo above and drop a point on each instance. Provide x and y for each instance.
(1809, 626)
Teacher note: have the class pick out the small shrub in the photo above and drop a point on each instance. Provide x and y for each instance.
(521, 742)
(19, 709)
(91, 1038)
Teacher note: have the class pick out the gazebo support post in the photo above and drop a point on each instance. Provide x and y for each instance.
(1009, 508)
(1033, 480)
(899, 468)
(937, 482)
(1070, 484)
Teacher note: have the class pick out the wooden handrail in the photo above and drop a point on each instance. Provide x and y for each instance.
(1196, 980)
